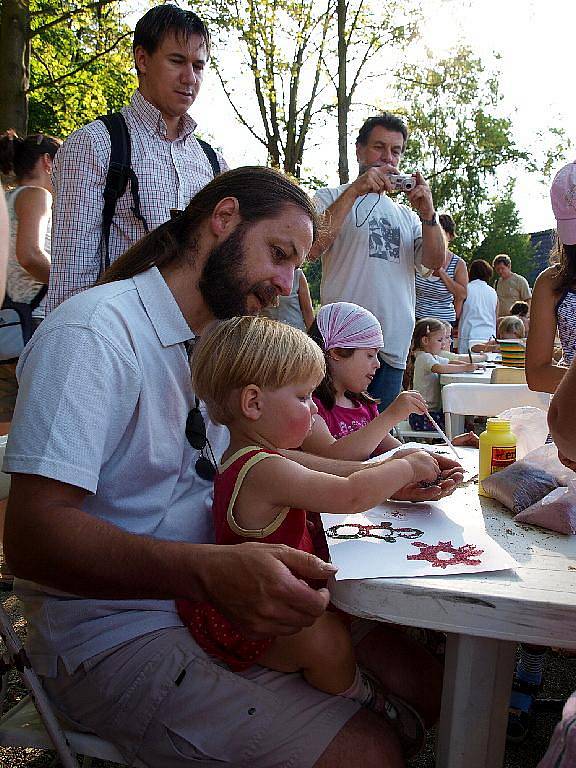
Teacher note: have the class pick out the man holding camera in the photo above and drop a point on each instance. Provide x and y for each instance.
(372, 244)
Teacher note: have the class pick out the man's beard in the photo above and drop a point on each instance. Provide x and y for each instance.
(224, 284)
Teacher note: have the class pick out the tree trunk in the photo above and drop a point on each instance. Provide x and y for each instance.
(342, 96)
(14, 65)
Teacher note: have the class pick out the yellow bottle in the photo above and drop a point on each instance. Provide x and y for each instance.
(497, 449)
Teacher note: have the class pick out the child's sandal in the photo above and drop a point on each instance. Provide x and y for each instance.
(403, 718)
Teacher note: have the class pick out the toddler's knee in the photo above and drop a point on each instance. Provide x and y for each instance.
(332, 643)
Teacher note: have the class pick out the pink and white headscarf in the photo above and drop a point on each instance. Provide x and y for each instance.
(348, 326)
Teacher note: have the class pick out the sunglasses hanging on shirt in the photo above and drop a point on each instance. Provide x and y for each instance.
(196, 435)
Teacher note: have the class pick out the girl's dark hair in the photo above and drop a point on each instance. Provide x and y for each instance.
(19, 156)
(564, 258)
(262, 193)
(161, 20)
(480, 269)
(447, 223)
(520, 308)
(326, 391)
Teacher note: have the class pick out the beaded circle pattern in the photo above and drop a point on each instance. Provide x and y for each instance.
(464, 555)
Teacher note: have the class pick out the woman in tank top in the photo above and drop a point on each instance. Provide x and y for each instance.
(553, 306)
(443, 291)
(29, 204)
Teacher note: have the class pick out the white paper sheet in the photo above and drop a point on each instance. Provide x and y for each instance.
(442, 538)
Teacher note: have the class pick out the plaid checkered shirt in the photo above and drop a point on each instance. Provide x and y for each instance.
(169, 175)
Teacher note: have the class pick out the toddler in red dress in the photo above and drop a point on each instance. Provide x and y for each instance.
(257, 376)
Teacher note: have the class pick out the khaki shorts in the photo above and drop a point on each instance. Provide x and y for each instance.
(8, 390)
(164, 703)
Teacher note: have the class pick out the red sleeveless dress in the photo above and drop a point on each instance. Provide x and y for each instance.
(213, 632)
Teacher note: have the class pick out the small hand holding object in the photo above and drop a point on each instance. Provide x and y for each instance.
(424, 467)
(406, 403)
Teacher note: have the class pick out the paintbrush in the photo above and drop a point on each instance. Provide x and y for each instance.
(444, 437)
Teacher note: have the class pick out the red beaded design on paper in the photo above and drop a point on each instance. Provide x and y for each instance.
(463, 555)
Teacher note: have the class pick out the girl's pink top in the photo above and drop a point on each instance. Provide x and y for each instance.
(343, 421)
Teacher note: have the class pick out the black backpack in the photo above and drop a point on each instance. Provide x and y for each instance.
(120, 172)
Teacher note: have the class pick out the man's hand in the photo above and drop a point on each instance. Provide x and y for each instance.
(421, 197)
(261, 587)
(452, 475)
(375, 179)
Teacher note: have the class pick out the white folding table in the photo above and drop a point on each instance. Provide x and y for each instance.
(466, 377)
(485, 616)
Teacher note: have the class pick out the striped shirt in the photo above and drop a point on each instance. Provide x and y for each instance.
(513, 352)
(433, 299)
(566, 321)
(169, 173)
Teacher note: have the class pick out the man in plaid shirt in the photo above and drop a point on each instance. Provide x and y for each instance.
(171, 48)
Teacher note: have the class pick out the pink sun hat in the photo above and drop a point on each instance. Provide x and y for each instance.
(563, 197)
(347, 325)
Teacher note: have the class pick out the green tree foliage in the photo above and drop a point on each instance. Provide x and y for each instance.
(503, 234)
(364, 31)
(458, 138)
(77, 63)
(282, 44)
(302, 61)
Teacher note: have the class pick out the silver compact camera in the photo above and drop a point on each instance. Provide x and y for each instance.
(401, 182)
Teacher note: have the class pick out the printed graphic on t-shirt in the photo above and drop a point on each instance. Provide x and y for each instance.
(384, 240)
(346, 428)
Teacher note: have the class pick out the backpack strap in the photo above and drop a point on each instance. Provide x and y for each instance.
(38, 298)
(119, 173)
(211, 155)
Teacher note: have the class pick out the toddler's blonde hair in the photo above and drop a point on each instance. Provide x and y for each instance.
(511, 324)
(251, 350)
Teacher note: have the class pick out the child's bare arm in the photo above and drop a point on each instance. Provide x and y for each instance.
(454, 368)
(279, 482)
(362, 443)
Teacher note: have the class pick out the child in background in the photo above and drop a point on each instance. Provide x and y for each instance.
(454, 357)
(512, 341)
(522, 310)
(257, 376)
(427, 363)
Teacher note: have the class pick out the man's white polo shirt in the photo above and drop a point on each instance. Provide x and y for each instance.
(104, 395)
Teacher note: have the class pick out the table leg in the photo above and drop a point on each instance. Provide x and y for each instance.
(477, 684)
(457, 424)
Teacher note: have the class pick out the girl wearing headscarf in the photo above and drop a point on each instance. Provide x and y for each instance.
(348, 425)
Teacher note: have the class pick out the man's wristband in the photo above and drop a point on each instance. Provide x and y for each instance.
(430, 222)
